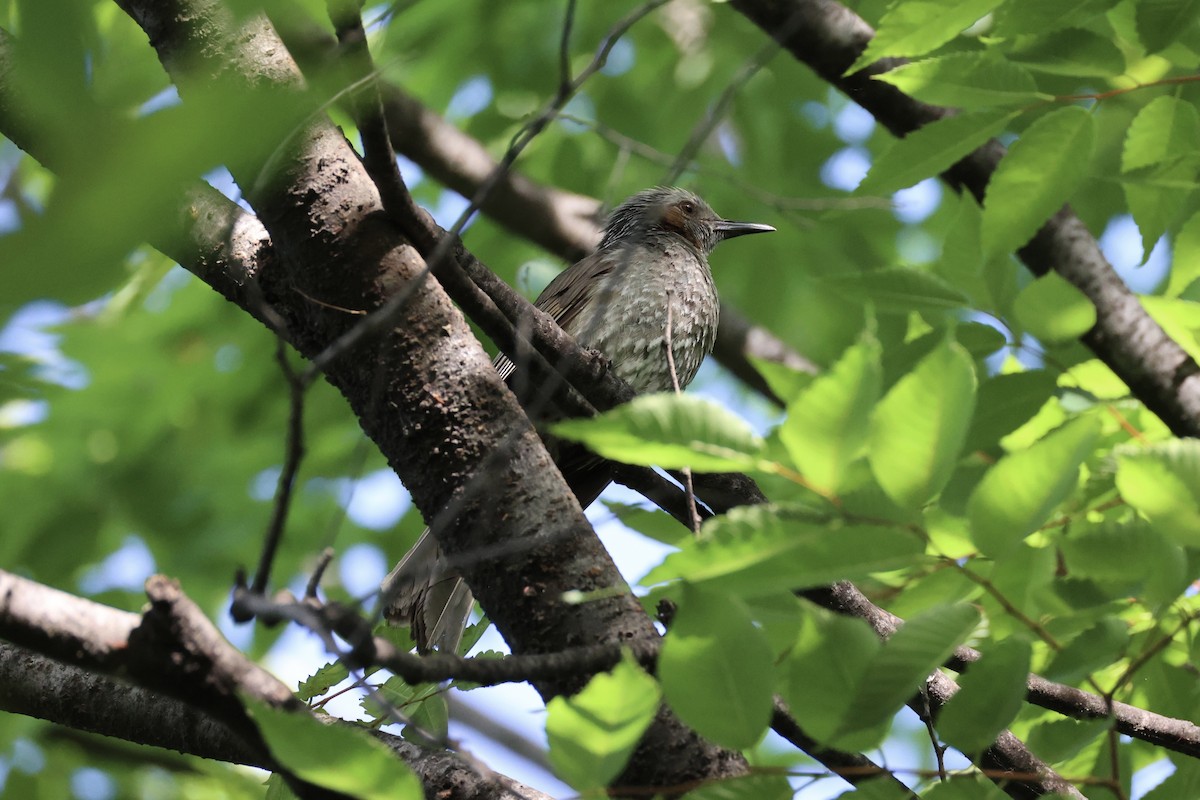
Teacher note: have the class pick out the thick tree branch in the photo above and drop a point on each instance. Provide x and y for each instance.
(67, 678)
(1157, 370)
(426, 393)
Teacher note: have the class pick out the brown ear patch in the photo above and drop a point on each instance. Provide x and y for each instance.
(675, 219)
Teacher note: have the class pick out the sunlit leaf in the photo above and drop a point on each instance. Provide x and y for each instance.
(669, 431)
(932, 149)
(918, 428)
(1019, 492)
(759, 550)
(1073, 52)
(901, 666)
(336, 756)
(1166, 129)
(1053, 310)
(826, 425)
(964, 80)
(716, 669)
(593, 732)
(916, 28)
(991, 695)
(1036, 177)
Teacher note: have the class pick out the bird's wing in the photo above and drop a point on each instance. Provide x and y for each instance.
(564, 297)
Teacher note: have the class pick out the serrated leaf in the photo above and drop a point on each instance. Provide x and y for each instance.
(716, 669)
(991, 695)
(931, 150)
(758, 550)
(669, 431)
(900, 668)
(1036, 177)
(1185, 266)
(1096, 648)
(964, 80)
(1053, 310)
(1039, 17)
(593, 732)
(1074, 52)
(913, 29)
(1163, 483)
(338, 756)
(1156, 199)
(918, 428)
(899, 289)
(1165, 130)
(824, 668)
(1018, 493)
(322, 680)
(745, 787)
(1160, 22)
(1005, 402)
(826, 425)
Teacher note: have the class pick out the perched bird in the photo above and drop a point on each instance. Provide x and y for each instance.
(650, 269)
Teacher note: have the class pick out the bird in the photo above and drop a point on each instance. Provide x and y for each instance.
(650, 271)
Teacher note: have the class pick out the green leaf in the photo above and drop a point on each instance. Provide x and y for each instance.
(1185, 266)
(1165, 130)
(993, 690)
(338, 756)
(826, 425)
(900, 289)
(1019, 492)
(965, 787)
(1162, 482)
(1036, 177)
(913, 29)
(825, 667)
(1053, 310)
(1160, 22)
(716, 669)
(654, 524)
(932, 149)
(1005, 402)
(1039, 17)
(1074, 53)
(758, 550)
(965, 80)
(669, 431)
(1096, 648)
(783, 380)
(1156, 198)
(593, 732)
(917, 430)
(322, 680)
(899, 669)
(745, 787)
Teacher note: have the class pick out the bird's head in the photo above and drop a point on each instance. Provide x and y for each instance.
(673, 211)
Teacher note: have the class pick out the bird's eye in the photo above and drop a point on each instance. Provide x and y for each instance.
(688, 207)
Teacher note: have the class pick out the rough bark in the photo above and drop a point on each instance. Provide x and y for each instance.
(425, 391)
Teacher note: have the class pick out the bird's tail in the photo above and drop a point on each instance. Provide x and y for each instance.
(425, 594)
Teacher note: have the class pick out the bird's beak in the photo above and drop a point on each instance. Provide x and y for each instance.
(727, 230)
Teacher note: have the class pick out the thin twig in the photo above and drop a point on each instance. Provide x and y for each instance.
(293, 456)
(669, 348)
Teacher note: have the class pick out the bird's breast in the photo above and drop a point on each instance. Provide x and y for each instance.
(648, 289)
